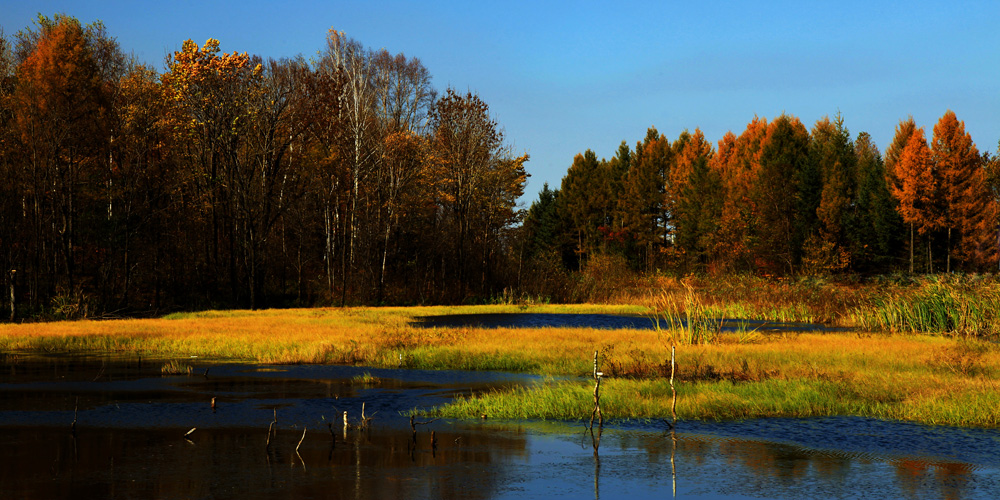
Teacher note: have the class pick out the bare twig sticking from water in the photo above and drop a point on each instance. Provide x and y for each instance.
(267, 445)
(297, 448)
(76, 407)
(597, 396)
(303, 438)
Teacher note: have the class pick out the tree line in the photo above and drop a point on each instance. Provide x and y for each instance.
(227, 180)
(776, 199)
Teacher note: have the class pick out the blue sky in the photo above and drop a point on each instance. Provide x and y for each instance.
(562, 77)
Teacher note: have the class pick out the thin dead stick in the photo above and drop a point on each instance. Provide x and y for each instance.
(597, 404)
(76, 407)
(414, 424)
(267, 445)
(297, 448)
(597, 397)
(673, 464)
(301, 439)
(673, 365)
(347, 425)
(188, 433)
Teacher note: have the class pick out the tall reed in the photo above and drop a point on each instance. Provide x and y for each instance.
(933, 308)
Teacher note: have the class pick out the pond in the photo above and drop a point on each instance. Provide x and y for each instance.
(604, 321)
(132, 439)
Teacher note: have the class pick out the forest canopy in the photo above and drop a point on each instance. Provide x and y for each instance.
(778, 199)
(227, 180)
(223, 179)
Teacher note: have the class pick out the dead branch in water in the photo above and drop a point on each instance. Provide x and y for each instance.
(597, 397)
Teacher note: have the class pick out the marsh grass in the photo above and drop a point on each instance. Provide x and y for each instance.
(926, 379)
(742, 374)
(936, 308)
(963, 305)
(175, 367)
(366, 379)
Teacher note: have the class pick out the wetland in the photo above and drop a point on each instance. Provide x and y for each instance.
(131, 440)
(124, 408)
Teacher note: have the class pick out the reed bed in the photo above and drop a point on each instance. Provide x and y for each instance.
(934, 308)
(962, 305)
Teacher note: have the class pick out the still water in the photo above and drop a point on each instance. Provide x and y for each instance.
(605, 322)
(131, 440)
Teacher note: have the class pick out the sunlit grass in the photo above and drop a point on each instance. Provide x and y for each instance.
(382, 337)
(925, 379)
(928, 378)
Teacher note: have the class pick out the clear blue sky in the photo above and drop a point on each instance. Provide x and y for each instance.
(562, 77)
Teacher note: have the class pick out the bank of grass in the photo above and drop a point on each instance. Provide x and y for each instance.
(941, 378)
(926, 379)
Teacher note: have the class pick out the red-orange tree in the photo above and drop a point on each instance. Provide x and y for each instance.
(59, 109)
(966, 204)
(916, 189)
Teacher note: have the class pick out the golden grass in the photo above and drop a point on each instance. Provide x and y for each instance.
(925, 378)
(374, 336)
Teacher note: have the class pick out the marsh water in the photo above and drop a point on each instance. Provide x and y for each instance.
(606, 322)
(107, 427)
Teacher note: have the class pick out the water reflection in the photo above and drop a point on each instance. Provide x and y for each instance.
(602, 321)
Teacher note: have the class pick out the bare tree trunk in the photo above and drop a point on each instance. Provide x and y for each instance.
(13, 303)
(930, 260)
(911, 248)
(948, 260)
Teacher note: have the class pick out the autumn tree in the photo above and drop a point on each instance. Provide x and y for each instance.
(403, 99)
(59, 106)
(479, 180)
(240, 118)
(966, 204)
(10, 190)
(735, 159)
(694, 198)
(142, 186)
(916, 188)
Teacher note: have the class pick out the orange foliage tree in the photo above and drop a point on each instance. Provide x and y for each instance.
(916, 188)
(59, 107)
(966, 204)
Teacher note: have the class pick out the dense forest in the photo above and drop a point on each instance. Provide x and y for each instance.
(226, 180)
(777, 199)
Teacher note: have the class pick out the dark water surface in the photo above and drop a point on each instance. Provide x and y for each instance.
(603, 321)
(129, 442)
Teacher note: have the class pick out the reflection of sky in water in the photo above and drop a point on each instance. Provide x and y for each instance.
(131, 420)
(603, 322)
